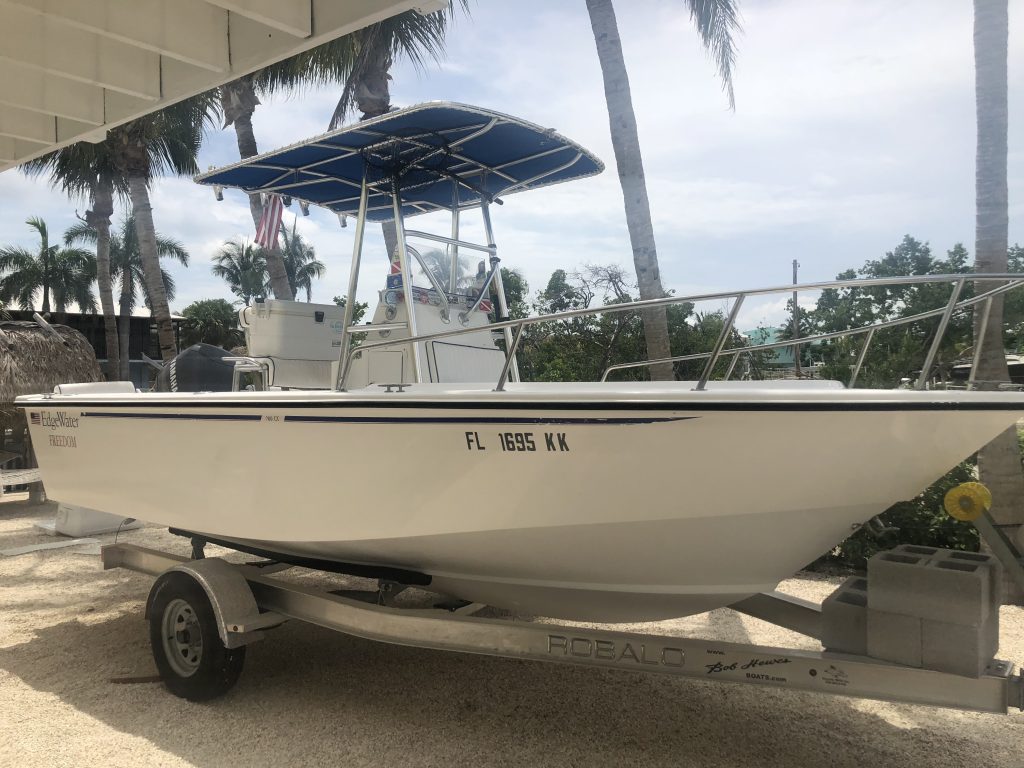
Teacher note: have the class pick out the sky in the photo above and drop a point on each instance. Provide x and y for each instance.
(853, 126)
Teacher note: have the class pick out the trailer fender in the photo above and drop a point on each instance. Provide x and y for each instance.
(239, 621)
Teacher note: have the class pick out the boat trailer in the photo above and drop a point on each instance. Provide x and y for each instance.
(203, 612)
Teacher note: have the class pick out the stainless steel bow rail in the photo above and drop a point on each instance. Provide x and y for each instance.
(244, 601)
(514, 328)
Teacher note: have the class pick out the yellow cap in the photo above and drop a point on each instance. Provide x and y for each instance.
(967, 501)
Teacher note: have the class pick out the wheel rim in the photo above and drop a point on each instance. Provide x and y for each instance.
(183, 639)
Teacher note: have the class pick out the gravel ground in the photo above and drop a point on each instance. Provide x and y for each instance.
(312, 697)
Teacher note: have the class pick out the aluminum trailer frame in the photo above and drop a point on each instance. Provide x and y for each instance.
(273, 601)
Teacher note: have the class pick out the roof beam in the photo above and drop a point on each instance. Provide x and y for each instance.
(294, 17)
(57, 49)
(131, 57)
(37, 91)
(38, 127)
(191, 31)
(12, 150)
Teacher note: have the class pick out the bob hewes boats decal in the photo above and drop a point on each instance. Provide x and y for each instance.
(765, 668)
(53, 421)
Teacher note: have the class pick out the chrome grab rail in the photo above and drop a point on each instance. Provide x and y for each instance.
(442, 294)
(242, 364)
(735, 352)
(1010, 280)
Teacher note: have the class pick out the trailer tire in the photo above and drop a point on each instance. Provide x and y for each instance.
(187, 648)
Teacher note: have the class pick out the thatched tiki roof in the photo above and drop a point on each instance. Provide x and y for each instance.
(33, 360)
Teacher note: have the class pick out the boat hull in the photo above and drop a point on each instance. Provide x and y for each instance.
(575, 503)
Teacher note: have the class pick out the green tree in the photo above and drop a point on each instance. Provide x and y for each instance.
(300, 262)
(86, 170)
(581, 348)
(243, 266)
(239, 100)
(65, 274)
(716, 22)
(357, 311)
(126, 268)
(895, 353)
(163, 142)
(364, 59)
(211, 321)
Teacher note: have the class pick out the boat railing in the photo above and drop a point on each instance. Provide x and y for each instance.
(1008, 282)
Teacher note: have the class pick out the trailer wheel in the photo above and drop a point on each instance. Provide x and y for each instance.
(187, 648)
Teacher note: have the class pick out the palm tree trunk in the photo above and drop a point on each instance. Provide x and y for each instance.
(373, 99)
(146, 234)
(999, 462)
(124, 325)
(628, 160)
(240, 102)
(103, 208)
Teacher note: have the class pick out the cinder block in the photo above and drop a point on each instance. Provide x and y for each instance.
(929, 587)
(955, 648)
(990, 563)
(894, 637)
(915, 549)
(994, 570)
(844, 618)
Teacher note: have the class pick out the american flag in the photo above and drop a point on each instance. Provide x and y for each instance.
(35, 418)
(270, 222)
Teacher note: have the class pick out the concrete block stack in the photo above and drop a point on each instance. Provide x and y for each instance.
(934, 608)
(922, 607)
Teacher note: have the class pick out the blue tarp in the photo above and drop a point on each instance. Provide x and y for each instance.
(424, 148)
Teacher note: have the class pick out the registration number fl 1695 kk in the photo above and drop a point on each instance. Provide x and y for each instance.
(514, 442)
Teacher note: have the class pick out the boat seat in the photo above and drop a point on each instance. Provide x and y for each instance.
(94, 388)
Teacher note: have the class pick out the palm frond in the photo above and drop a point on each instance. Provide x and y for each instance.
(717, 23)
(79, 233)
(416, 36)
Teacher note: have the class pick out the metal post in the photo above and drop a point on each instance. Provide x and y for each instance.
(353, 284)
(722, 338)
(732, 366)
(939, 333)
(979, 342)
(403, 262)
(453, 249)
(510, 359)
(796, 324)
(499, 286)
(860, 358)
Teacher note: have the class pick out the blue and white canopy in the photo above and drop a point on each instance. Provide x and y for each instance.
(438, 154)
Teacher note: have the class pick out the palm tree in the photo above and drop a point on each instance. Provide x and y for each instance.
(999, 464)
(364, 59)
(163, 142)
(86, 170)
(300, 262)
(243, 265)
(238, 102)
(66, 274)
(212, 321)
(126, 268)
(716, 22)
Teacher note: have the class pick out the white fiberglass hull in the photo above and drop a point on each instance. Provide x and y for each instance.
(610, 502)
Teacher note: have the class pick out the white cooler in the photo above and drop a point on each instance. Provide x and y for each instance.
(299, 340)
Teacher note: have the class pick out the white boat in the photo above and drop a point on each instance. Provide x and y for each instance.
(427, 462)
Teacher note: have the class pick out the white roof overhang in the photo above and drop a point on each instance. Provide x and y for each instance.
(72, 69)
